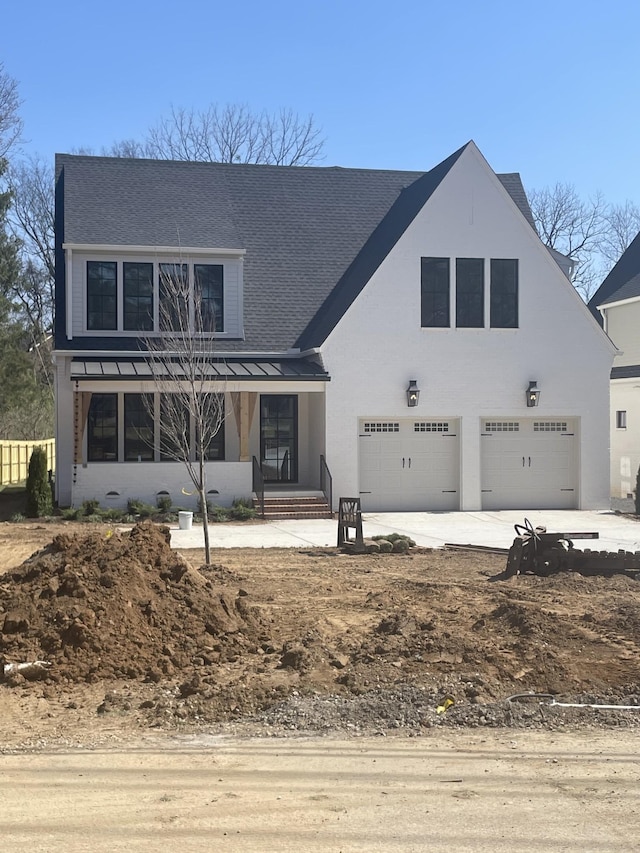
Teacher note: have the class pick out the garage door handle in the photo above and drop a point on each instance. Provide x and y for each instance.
(523, 461)
(403, 461)
(409, 462)
(529, 462)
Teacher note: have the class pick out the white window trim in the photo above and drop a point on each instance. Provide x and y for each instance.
(453, 293)
(182, 257)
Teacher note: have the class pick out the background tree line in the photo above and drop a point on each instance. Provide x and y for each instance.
(590, 230)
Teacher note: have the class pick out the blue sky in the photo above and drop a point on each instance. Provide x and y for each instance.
(549, 89)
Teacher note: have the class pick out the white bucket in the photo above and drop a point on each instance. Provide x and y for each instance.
(185, 520)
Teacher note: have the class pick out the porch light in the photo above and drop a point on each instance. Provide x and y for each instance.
(413, 393)
(533, 393)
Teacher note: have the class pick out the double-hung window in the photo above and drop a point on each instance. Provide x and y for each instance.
(504, 293)
(469, 293)
(174, 298)
(138, 427)
(102, 428)
(208, 297)
(102, 295)
(435, 292)
(143, 297)
(137, 285)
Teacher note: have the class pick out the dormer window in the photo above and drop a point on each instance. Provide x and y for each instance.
(102, 295)
(148, 296)
(137, 287)
(209, 291)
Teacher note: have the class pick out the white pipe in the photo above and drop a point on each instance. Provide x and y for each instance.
(552, 702)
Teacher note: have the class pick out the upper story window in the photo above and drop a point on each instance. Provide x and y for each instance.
(209, 294)
(466, 294)
(148, 297)
(469, 293)
(435, 292)
(137, 296)
(174, 297)
(504, 293)
(102, 295)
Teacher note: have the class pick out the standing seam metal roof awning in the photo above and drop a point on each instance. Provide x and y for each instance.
(296, 369)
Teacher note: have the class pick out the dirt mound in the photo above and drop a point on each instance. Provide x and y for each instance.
(120, 606)
(287, 638)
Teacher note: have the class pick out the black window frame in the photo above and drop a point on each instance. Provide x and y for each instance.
(470, 293)
(137, 296)
(102, 296)
(166, 453)
(175, 317)
(138, 428)
(621, 419)
(211, 305)
(215, 450)
(102, 428)
(504, 293)
(435, 293)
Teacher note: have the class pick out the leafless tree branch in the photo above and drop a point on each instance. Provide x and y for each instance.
(233, 134)
(573, 227)
(10, 121)
(181, 358)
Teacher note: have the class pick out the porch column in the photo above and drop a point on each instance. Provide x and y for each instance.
(81, 403)
(244, 404)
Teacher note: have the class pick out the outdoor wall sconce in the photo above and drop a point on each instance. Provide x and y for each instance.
(413, 393)
(533, 394)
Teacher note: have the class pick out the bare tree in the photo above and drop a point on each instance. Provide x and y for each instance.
(235, 134)
(183, 365)
(573, 227)
(31, 183)
(10, 120)
(623, 224)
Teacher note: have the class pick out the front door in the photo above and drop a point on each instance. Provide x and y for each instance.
(279, 437)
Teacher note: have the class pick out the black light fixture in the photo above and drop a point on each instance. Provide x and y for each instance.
(533, 393)
(413, 393)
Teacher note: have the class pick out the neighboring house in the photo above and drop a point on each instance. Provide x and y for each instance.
(339, 293)
(618, 301)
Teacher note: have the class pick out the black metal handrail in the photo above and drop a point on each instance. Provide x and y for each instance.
(284, 468)
(326, 482)
(258, 484)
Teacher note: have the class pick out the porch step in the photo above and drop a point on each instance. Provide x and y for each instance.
(294, 507)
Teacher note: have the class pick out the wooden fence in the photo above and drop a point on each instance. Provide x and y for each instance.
(15, 455)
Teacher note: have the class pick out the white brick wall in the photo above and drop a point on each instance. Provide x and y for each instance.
(469, 373)
(144, 480)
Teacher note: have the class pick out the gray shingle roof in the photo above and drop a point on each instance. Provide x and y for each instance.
(623, 282)
(302, 228)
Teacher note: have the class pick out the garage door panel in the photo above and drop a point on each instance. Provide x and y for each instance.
(414, 467)
(528, 464)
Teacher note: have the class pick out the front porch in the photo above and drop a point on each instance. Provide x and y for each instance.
(270, 448)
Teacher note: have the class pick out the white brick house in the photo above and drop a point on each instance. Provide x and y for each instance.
(334, 290)
(617, 304)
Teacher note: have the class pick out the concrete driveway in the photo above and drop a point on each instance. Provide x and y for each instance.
(428, 529)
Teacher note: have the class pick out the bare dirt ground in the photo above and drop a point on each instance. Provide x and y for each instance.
(284, 641)
(288, 699)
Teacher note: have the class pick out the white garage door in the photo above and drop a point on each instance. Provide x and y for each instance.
(529, 464)
(409, 465)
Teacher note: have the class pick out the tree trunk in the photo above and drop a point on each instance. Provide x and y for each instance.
(205, 526)
(205, 509)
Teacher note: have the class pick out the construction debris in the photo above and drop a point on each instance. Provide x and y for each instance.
(541, 553)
